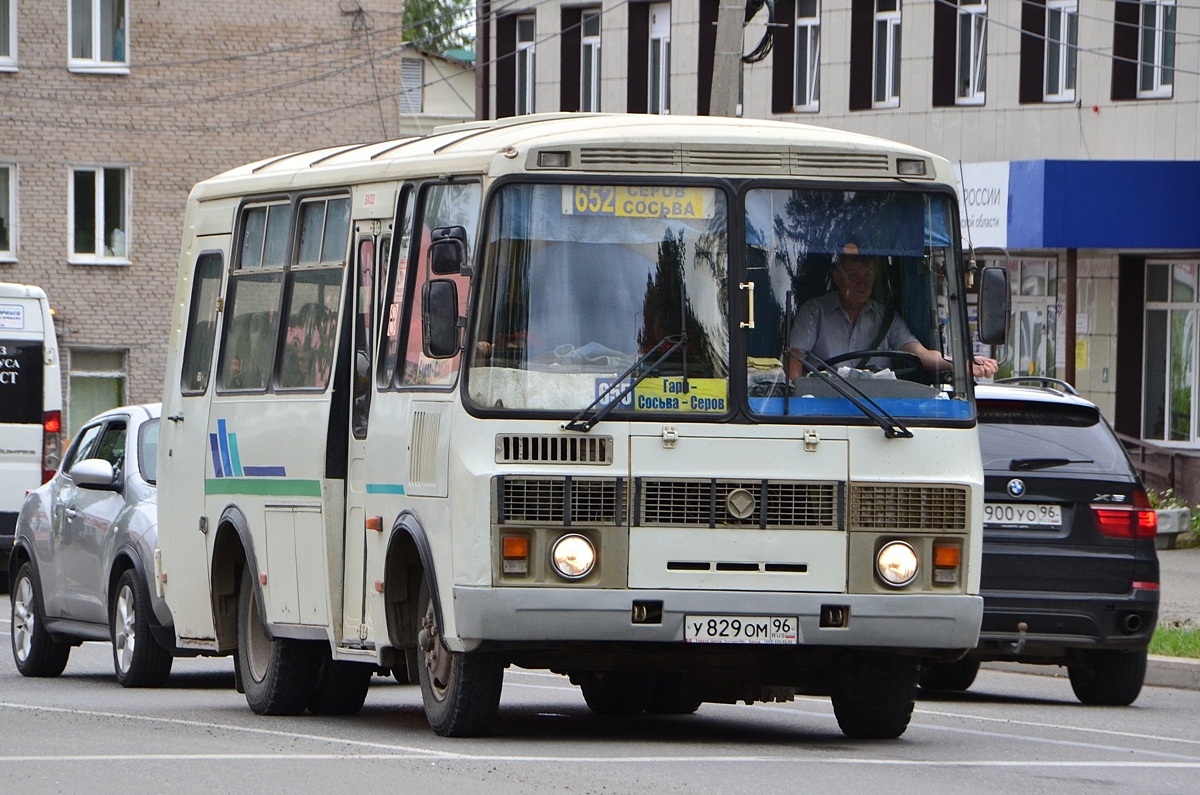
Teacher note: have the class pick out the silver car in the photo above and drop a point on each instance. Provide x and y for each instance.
(82, 565)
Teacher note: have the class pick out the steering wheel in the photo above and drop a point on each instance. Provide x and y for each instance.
(906, 363)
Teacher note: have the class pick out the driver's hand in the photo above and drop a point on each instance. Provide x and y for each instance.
(484, 347)
(983, 367)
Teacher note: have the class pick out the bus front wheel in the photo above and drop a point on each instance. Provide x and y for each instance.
(461, 690)
(278, 674)
(874, 694)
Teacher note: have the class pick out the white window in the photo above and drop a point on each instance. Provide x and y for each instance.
(887, 54)
(1156, 49)
(412, 81)
(96, 383)
(99, 204)
(971, 77)
(99, 36)
(808, 56)
(589, 62)
(1062, 41)
(1169, 380)
(8, 213)
(8, 35)
(660, 58)
(525, 65)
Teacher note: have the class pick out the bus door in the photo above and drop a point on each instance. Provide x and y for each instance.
(373, 205)
(184, 447)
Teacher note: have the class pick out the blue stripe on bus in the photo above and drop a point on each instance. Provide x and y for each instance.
(216, 455)
(265, 472)
(223, 436)
(233, 455)
(385, 488)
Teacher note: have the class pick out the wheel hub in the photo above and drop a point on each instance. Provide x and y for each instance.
(125, 628)
(23, 619)
(438, 661)
(258, 643)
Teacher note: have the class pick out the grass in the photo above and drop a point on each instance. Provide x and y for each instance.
(1176, 640)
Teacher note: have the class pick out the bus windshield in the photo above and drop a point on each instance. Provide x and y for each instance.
(583, 280)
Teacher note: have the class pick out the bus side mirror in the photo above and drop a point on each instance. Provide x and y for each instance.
(439, 318)
(993, 306)
(448, 251)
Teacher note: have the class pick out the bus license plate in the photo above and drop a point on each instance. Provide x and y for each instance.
(999, 514)
(741, 629)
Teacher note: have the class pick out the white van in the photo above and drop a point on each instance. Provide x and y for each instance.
(30, 404)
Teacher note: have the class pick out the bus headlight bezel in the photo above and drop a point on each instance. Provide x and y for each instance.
(897, 564)
(565, 556)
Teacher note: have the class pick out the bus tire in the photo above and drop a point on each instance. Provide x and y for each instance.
(35, 652)
(617, 692)
(341, 687)
(278, 674)
(138, 660)
(950, 677)
(874, 694)
(460, 690)
(672, 695)
(1108, 677)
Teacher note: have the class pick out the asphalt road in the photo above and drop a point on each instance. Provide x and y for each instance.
(1011, 733)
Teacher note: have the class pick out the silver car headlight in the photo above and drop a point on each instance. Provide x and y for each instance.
(573, 556)
(897, 564)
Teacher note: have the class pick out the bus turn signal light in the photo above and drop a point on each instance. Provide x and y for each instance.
(515, 553)
(946, 556)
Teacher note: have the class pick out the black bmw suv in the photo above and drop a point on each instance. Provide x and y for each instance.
(1070, 575)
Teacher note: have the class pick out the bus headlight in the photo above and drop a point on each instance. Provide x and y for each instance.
(896, 563)
(573, 556)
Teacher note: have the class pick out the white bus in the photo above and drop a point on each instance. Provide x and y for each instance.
(517, 393)
(30, 404)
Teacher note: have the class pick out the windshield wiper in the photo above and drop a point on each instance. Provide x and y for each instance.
(892, 427)
(1026, 464)
(583, 423)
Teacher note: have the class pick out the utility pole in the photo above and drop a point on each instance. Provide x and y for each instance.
(727, 60)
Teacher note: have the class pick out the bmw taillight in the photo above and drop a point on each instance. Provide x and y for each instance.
(1136, 521)
(51, 443)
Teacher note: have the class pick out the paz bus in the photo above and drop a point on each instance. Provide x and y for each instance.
(517, 393)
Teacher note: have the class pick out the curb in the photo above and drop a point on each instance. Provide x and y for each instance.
(1180, 673)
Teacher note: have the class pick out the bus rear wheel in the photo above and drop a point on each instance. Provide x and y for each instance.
(874, 694)
(460, 690)
(278, 674)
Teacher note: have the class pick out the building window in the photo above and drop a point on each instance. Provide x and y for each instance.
(808, 56)
(412, 81)
(8, 214)
(99, 36)
(1156, 49)
(589, 62)
(1062, 42)
(526, 68)
(96, 384)
(8, 35)
(99, 204)
(1169, 410)
(659, 86)
(886, 82)
(971, 76)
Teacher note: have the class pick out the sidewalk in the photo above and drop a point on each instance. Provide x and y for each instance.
(1179, 577)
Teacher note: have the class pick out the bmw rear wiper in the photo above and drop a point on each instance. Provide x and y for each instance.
(1026, 464)
(583, 423)
(892, 427)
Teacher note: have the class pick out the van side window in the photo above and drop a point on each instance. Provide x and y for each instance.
(202, 325)
(441, 205)
(252, 306)
(393, 312)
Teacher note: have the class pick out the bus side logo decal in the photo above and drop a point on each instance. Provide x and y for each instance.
(227, 462)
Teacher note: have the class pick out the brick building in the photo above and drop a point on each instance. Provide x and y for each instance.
(110, 111)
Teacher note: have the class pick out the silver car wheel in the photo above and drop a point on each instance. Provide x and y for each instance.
(23, 619)
(125, 628)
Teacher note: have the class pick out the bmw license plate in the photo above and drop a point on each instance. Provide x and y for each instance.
(776, 630)
(1000, 514)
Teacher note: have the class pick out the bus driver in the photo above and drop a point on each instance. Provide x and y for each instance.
(848, 319)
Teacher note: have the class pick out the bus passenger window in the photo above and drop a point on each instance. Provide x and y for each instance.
(311, 328)
(443, 205)
(364, 332)
(251, 315)
(202, 325)
(393, 313)
(324, 227)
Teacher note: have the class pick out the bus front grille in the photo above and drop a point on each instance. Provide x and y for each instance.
(544, 448)
(766, 503)
(560, 500)
(902, 507)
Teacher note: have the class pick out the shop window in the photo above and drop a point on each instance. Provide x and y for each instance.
(8, 35)
(97, 382)
(99, 36)
(8, 216)
(1169, 381)
(99, 210)
(412, 82)
(526, 66)
(1033, 347)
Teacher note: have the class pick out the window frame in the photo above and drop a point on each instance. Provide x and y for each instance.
(189, 341)
(892, 19)
(1169, 306)
(589, 53)
(121, 375)
(9, 254)
(96, 64)
(976, 88)
(8, 62)
(410, 92)
(658, 85)
(1157, 66)
(97, 256)
(525, 56)
(1068, 51)
(806, 88)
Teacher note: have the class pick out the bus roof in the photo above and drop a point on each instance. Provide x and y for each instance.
(594, 142)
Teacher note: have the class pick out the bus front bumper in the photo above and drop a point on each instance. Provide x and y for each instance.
(910, 621)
